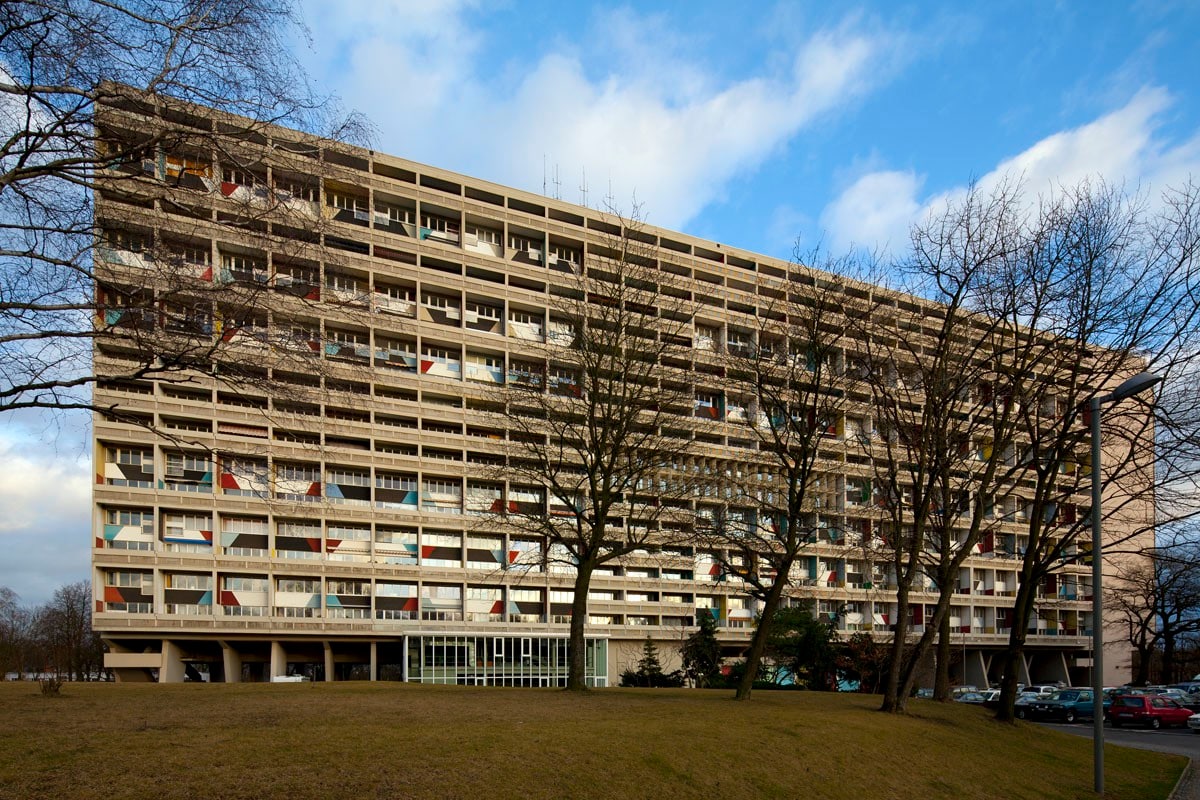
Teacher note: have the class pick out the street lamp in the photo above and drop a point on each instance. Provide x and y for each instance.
(1135, 385)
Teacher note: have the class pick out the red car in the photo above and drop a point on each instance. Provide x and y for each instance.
(1150, 710)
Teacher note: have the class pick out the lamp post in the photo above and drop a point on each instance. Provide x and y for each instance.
(1135, 385)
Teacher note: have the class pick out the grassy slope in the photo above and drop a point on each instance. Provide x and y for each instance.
(395, 740)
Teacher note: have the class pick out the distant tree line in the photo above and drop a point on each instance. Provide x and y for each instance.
(55, 639)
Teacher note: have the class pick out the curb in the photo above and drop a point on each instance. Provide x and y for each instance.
(1185, 777)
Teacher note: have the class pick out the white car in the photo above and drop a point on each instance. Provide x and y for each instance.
(1194, 723)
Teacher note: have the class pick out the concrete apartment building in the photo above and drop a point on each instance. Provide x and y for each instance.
(330, 518)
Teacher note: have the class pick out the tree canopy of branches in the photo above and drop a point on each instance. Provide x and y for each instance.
(945, 421)
(55, 639)
(594, 420)
(1060, 299)
(786, 380)
(62, 64)
(1158, 602)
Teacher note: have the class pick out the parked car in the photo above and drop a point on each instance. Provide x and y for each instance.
(1065, 704)
(1191, 687)
(1150, 710)
(991, 698)
(1194, 723)
(974, 698)
(924, 694)
(1021, 704)
(1043, 689)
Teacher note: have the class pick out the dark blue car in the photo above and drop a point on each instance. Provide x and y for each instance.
(1067, 705)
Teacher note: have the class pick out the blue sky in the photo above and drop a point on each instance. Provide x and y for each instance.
(832, 122)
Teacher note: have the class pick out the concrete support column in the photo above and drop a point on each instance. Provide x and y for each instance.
(374, 662)
(278, 660)
(1023, 669)
(1063, 670)
(171, 670)
(232, 661)
(976, 669)
(328, 662)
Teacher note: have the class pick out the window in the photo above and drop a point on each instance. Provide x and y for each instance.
(241, 267)
(346, 202)
(186, 580)
(128, 529)
(188, 472)
(187, 533)
(484, 235)
(300, 482)
(289, 188)
(244, 536)
(439, 224)
(298, 540)
(130, 467)
(560, 252)
(245, 477)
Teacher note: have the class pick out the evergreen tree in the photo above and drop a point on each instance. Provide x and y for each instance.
(649, 667)
(702, 654)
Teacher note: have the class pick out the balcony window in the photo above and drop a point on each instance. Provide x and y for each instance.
(440, 361)
(441, 229)
(442, 495)
(297, 482)
(128, 466)
(244, 536)
(127, 529)
(188, 472)
(347, 345)
(188, 533)
(300, 540)
(480, 239)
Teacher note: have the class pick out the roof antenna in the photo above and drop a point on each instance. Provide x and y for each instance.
(583, 189)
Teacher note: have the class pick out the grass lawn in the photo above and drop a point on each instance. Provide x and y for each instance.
(385, 740)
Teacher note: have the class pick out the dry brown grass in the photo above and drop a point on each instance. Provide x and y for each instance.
(395, 740)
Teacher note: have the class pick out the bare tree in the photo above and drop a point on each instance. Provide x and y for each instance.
(981, 435)
(1111, 281)
(155, 304)
(1158, 601)
(942, 425)
(64, 627)
(16, 634)
(598, 420)
(786, 386)
(946, 425)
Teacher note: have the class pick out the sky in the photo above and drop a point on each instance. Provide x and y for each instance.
(756, 125)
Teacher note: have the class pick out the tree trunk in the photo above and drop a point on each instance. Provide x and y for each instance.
(1141, 676)
(1008, 681)
(893, 703)
(577, 644)
(758, 642)
(1012, 654)
(941, 680)
(1167, 674)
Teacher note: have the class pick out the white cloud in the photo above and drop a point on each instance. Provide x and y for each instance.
(875, 210)
(45, 525)
(1124, 146)
(630, 104)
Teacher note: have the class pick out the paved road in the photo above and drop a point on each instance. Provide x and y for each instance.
(1170, 740)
